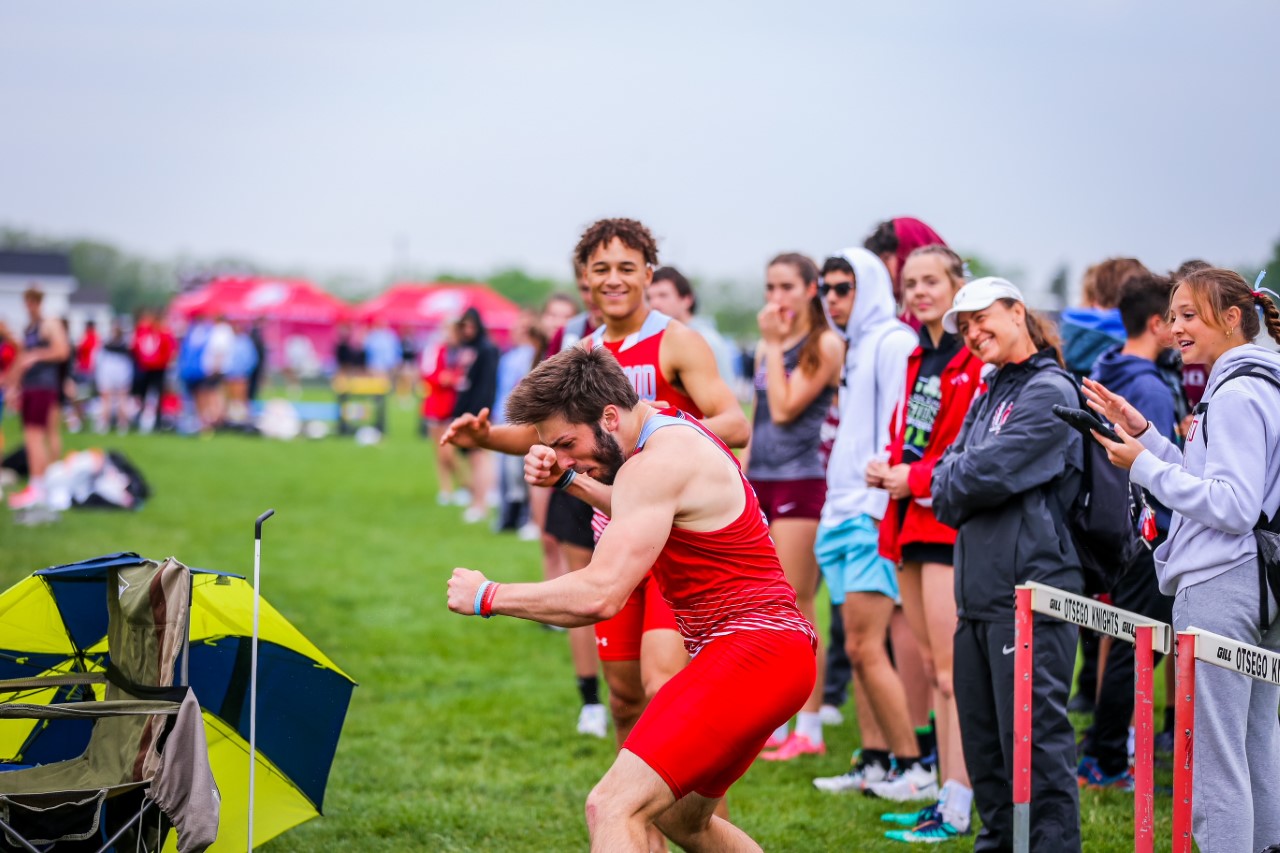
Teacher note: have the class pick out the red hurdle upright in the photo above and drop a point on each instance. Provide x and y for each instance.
(1023, 636)
(1184, 721)
(1196, 644)
(1146, 635)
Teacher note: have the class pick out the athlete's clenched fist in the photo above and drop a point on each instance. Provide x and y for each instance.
(462, 591)
(540, 467)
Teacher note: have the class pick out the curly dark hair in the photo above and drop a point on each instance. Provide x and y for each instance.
(632, 233)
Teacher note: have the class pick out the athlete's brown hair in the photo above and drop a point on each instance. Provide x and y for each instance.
(811, 349)
(575, 384)
(1214, 291)
(633, 234)
(1103, 282)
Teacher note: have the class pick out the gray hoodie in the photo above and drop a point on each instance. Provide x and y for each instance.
(1217, 493)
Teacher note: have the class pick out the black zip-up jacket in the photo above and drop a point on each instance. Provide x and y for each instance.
(1006, 484)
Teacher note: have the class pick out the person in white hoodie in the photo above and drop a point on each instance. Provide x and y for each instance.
(1224, 482)
(859, 297)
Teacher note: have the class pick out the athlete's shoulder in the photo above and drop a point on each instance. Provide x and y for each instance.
(831, 344)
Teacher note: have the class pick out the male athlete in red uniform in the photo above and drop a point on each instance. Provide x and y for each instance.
(670, 364)
(678, 503)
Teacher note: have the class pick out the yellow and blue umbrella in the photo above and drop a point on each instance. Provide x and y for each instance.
(55, 622)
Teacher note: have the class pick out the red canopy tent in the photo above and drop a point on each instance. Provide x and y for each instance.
(297, 315)
(419, 309)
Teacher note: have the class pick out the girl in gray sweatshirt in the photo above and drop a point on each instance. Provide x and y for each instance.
(1218, 490)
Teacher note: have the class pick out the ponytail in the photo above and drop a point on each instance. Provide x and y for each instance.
(1270, 314)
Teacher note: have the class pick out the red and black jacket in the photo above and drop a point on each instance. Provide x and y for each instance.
(961, 381)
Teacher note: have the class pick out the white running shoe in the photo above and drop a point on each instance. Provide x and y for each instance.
(830, 715)
(914, 783)
(474, 515)
(529, 532)
(592, 720)
(462, 497)
(858, 777)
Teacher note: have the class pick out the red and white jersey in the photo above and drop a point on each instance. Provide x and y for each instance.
(638, 355)
(728, 580)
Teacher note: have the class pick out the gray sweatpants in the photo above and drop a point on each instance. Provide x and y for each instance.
(1236, 796)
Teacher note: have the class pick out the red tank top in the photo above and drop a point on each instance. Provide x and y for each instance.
(728, 580)
(638, 355)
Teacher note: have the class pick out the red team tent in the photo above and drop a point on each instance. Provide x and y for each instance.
(296, 314)
(420, 309)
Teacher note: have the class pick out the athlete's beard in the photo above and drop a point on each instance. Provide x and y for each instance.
(609, 456)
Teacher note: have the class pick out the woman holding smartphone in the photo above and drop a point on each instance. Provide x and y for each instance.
(1223, 482)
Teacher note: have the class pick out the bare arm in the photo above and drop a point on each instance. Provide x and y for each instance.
(790, 396)
(540, 469)
(646, 501)
(475, 431)
(686, 356)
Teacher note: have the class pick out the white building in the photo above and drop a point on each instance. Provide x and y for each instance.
(20, 269)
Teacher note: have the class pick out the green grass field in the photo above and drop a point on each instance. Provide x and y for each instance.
(461, 733)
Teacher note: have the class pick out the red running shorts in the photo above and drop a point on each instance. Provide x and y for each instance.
(707, 724)
(646, 610)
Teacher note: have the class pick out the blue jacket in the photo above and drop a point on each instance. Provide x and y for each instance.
(1086, 334)
(1139, 381)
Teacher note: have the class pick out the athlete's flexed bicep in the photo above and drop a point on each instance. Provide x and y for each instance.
(689, 361)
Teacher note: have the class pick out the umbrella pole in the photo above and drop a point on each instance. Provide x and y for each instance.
(253, 662)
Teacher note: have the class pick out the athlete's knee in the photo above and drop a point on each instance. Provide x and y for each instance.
(863, 650)
(946, 685)
(930, 668)
(626, 699)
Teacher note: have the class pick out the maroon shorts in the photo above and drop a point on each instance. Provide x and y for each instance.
(791, 498)
(37, 403)
(646, 610)
(707, 724)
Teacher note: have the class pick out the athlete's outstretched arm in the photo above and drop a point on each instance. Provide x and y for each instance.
(467, 431)
(689, 358)
(645, 501)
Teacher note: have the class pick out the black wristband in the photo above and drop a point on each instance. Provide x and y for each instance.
(566, 479)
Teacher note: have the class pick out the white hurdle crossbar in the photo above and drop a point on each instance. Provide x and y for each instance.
(1195, 644)
(1147, 637)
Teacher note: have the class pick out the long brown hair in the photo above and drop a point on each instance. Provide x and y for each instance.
(1215, 291)
(1044, 334)
(811, 349)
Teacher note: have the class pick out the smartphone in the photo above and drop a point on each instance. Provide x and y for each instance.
(1085, 421)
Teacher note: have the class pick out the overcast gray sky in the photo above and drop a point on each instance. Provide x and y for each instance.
(466, 136)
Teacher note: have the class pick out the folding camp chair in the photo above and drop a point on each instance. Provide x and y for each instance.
(147, 737)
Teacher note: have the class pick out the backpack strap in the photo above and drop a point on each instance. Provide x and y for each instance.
(1202, 408)
(1268, 577)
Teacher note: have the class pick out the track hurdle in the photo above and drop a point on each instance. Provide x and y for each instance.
(1148, 637)
(1194, 645)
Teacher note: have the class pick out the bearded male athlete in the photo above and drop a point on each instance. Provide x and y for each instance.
(680, 504)
(667, 363)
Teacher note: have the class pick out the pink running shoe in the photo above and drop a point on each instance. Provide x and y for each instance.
(28, 497)
(774, 741)
(795, 745)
